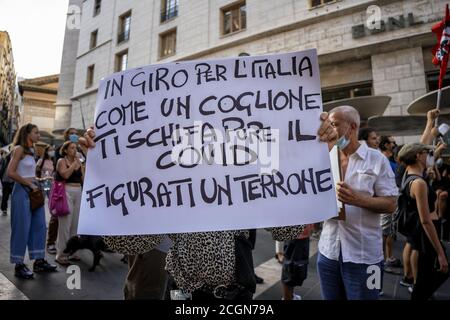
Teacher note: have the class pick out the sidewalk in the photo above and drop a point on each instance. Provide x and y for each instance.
(106, 283)
(391, 283)
(108, 279)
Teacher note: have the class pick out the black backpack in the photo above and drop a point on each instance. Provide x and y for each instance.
(408, 221)
(4, 165)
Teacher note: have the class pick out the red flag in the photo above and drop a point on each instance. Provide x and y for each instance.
(442, 48)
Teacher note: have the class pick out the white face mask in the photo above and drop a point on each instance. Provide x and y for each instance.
(51, 154)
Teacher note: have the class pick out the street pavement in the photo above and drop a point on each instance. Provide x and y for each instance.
(106, 282)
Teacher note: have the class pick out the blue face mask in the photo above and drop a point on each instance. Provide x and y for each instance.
(342, 142)
(74, 138)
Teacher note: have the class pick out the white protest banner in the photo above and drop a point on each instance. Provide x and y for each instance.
(186, 147)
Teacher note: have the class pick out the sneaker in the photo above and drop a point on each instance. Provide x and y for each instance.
(42, 265)
(4, 213)
(51, 249)
(297, 297)
(407, 282)
(396, 271)
(22, 271)
(294, 297)
(381, 293)
(389, 269)
(394, 263)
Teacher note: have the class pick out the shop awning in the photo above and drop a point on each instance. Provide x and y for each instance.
(367, 106)
(428, 101)
(409, 125)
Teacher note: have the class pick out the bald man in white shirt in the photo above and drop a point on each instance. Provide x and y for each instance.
(351, 257)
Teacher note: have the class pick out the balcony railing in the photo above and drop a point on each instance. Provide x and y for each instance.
(169, 13)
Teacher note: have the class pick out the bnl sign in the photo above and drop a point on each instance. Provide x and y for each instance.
(375, 24)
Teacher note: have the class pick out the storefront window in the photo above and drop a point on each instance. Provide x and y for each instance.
(351, 91)
(433, 80)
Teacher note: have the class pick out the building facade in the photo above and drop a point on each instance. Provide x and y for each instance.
(63, 105)
(38, 97)
(8, 108)
(365, 47)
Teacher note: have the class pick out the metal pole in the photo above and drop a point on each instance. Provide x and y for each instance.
(438, 106)
(82, 115)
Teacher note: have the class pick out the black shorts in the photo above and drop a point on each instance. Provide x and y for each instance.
(295, 264)
(412, 242)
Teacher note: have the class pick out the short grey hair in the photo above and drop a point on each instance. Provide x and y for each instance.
(350, 114)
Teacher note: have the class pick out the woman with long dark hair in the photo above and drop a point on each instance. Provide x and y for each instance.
(28, 227)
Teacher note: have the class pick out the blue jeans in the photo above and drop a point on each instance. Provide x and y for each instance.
(27, 228)
(346, 280)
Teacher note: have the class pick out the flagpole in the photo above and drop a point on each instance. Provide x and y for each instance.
(440, 53)
(438, 106)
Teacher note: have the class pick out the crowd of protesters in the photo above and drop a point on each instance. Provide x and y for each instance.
(219, 265)
(422, 178)
(25, 167)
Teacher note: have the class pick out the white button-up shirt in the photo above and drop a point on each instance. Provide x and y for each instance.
(359, 236)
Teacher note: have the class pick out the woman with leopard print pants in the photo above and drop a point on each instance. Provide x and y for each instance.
(206, 265)
(210, 265)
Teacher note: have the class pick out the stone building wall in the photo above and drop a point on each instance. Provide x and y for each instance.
(272, 27)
